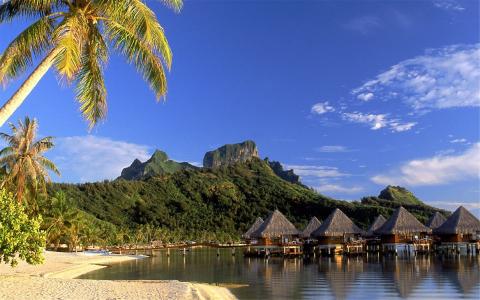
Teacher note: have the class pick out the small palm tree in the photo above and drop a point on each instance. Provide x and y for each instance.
(73, 36)
(25, 166)
(59, 215)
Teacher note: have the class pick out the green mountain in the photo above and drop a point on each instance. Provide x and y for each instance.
(399, 194)
(226, 199)
(230, 154)
(157, 165)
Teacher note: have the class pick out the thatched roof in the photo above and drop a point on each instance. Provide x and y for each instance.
(311, 227)
(258, 222)
(276, 225)
(435, 220)
(337, 224)
(460, 222)
(402, 222)
(379, 221)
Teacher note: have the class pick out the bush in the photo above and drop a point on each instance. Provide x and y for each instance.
(20, 235)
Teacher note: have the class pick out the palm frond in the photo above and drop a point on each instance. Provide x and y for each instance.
(70, 37)
(140, 54)
(11, 9)
(176, 5)
(19, 55)
(91, 91)
(48, 164)
(142, 21)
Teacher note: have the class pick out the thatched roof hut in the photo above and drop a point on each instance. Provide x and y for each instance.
(435, 220)
(311, 227)
(377, 223)
(402, 222)
(460, 222)
(258, 222)
(276, 225)
(337, 224)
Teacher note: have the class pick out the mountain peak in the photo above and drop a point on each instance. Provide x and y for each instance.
(230, 154)
(399, 194)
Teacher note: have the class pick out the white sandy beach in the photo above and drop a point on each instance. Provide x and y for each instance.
(55, 280)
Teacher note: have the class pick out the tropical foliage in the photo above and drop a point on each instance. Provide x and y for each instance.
(25, 167)
(217, 204)
(73, 36)
(20, 234)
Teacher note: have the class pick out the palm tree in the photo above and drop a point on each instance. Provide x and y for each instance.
(58, 217)
(73, 35)
(26, 167)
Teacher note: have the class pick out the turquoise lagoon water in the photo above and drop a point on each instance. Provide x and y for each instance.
(339, 277)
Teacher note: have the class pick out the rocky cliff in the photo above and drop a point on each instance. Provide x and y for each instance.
(158, 164)
(230, 154)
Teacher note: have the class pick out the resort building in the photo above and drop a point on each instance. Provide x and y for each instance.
(435, 220)
(403, 234)
(460, 233)
(255, 226)
(373, 240)
(312, 225)
(338, 234)
(276, 236)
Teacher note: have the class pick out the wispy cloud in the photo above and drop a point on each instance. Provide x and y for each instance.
(322, 108)
(335, 188)
(316, 171)
(375, 121)
(459, 141)
(442, 78)
(450, 5)
(365, 96)
(437, 170)
(363, 24)
(93, 158)
(332, 149)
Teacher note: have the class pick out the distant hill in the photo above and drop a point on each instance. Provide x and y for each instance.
(157, 165)
(226, 199)
(230, 154)
(400, 195)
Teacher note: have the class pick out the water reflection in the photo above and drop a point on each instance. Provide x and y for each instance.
(338, 277)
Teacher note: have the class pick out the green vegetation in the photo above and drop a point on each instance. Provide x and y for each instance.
(399, 194)
(157, 165)
(25, 167)
(73, 36)
(20, 235)
(216, 203)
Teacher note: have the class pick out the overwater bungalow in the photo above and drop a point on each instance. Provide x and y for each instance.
(312, 225)
(276, 236)
(402, 233)
(255, 226)
(460, 233)
(435, 220)
(338, 234)
(373, 240)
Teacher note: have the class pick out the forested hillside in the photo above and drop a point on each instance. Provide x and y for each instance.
(223, 199)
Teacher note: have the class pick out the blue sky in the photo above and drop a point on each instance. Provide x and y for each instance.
(353, 95)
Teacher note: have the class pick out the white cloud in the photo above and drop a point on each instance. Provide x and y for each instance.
(335, 188)
(399, 127)
(322, 108)
(332, 149)
(363, 24)
(365, 96)
(93, 158)
(437, 170)
(448, 5)
(316, 171)
(458, 141)
(375, 121)
(378, 121)
(442, 78)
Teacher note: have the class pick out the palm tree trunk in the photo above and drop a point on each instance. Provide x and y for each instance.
(26, 88)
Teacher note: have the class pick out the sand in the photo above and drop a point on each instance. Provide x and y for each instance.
(55, 279)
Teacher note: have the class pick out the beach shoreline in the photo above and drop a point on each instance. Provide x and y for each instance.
(56, 279)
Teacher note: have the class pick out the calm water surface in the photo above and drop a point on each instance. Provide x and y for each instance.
(325, 278)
